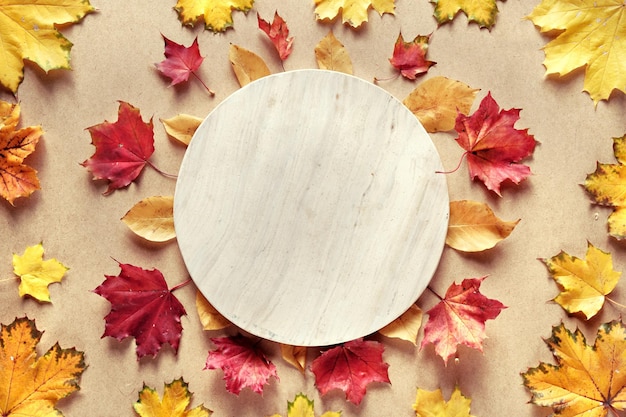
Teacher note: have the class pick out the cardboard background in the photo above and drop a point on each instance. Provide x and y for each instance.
(112, 59)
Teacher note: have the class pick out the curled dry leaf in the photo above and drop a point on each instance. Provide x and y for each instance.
(473, 227)
(437, 101)
(332, 55)
(354, 12)
(294, 355)
(36, 274)
(585, 283)
(152, 218)
(210, 318)
(432, 404)
(181, 127)
(481, 12)
(278, 32)
(406, 326)
(246, 65)
(175, 403)
(217, 14)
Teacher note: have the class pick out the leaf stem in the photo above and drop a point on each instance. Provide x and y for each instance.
(181, 285)
(202, 82)
(165, 174)
(9, 279)
(457, 167)
(377, 80)
(615, 303)
(434, 292)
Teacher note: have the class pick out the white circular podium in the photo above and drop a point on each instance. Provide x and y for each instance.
(308, 210)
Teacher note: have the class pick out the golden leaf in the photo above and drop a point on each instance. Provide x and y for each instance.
(295, 356)
(483, 12)
(32, 385)
(332, 55)
(28, 30)
(473, 227)
(217, 14)
(301, 406)
(354, 12)
(406, 326)
(181, 127)
(437, 101)
(152, 218)
(584, 282)
(176, 399)
(590, 34)
(246, 65)
(210, 318)
(36, 274)
(432, 404)
(588, 380)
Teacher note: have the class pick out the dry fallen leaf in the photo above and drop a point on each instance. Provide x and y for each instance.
(405, 327)
(175, 403)
(217, 14)
(278, 32)
(31, 385)
(410, 57)
(585, 283)
(28, 30)
(210, 318)
(294, 355)
(432, 404)
(16, 179)
(301, 406)
(246, 65)
(437, 101)
(181, 127)
(354, 12)
(152, 218)
(483, 12)
(332, 55)
(473, 227)
(36, 274)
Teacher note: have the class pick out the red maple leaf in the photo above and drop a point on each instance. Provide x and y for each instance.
(142, 307)
(122, 148)
(180, 62)
(351, 367)
(410, 57)
(243, 363)
(459, 318)
(493, 146)
(278, 33)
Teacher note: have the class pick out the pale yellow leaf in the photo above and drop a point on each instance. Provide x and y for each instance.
(181, 127)
(152, 218)
(36, 274)
(332, 55)
(217, 14)
(247, 65)
(354, 12)
(210, 318)
(406, 326)
(432, 404)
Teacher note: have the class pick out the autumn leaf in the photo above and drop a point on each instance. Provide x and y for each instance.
(243, 363)
(473, 227)
(210, 318)
(350, 367)
(589, 34)
(152, 218)
(122, 148)
(175, 403)
(36, 274)
(28, 31)
(587, 380)
(585, 283)
(246, 65)
(294, 355)
(493, 146)
(354, 12)
(437, 101)
(142, 307)
(432, 404)
(16, 178)
(217, 14)
(181, 127)
(31, 385)
(459, 318)
(406, 326)
(607, 187)
(181, 62)
(482, 12)
(278, 32)
(332, 55)
(410, 57)
(301, 406)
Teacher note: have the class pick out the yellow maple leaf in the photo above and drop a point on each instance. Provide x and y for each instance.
(406, 326)
(588, 380)
(354, 12)
(585, 283)
(152, 218)
(591, 34)
(16, 178)
(246, 65)
(32, 385)
(301, 406)
(181, 127)
(607, 186)
(473, 227)
(432, 404)
(437, 101)
(176, 399)
(217, 14)
(36, 274)
(28, 30)
(483, 12)
(332, 55)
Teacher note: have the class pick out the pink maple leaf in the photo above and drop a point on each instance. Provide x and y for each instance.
(278, 32)
(181, 62)
(410, 57)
